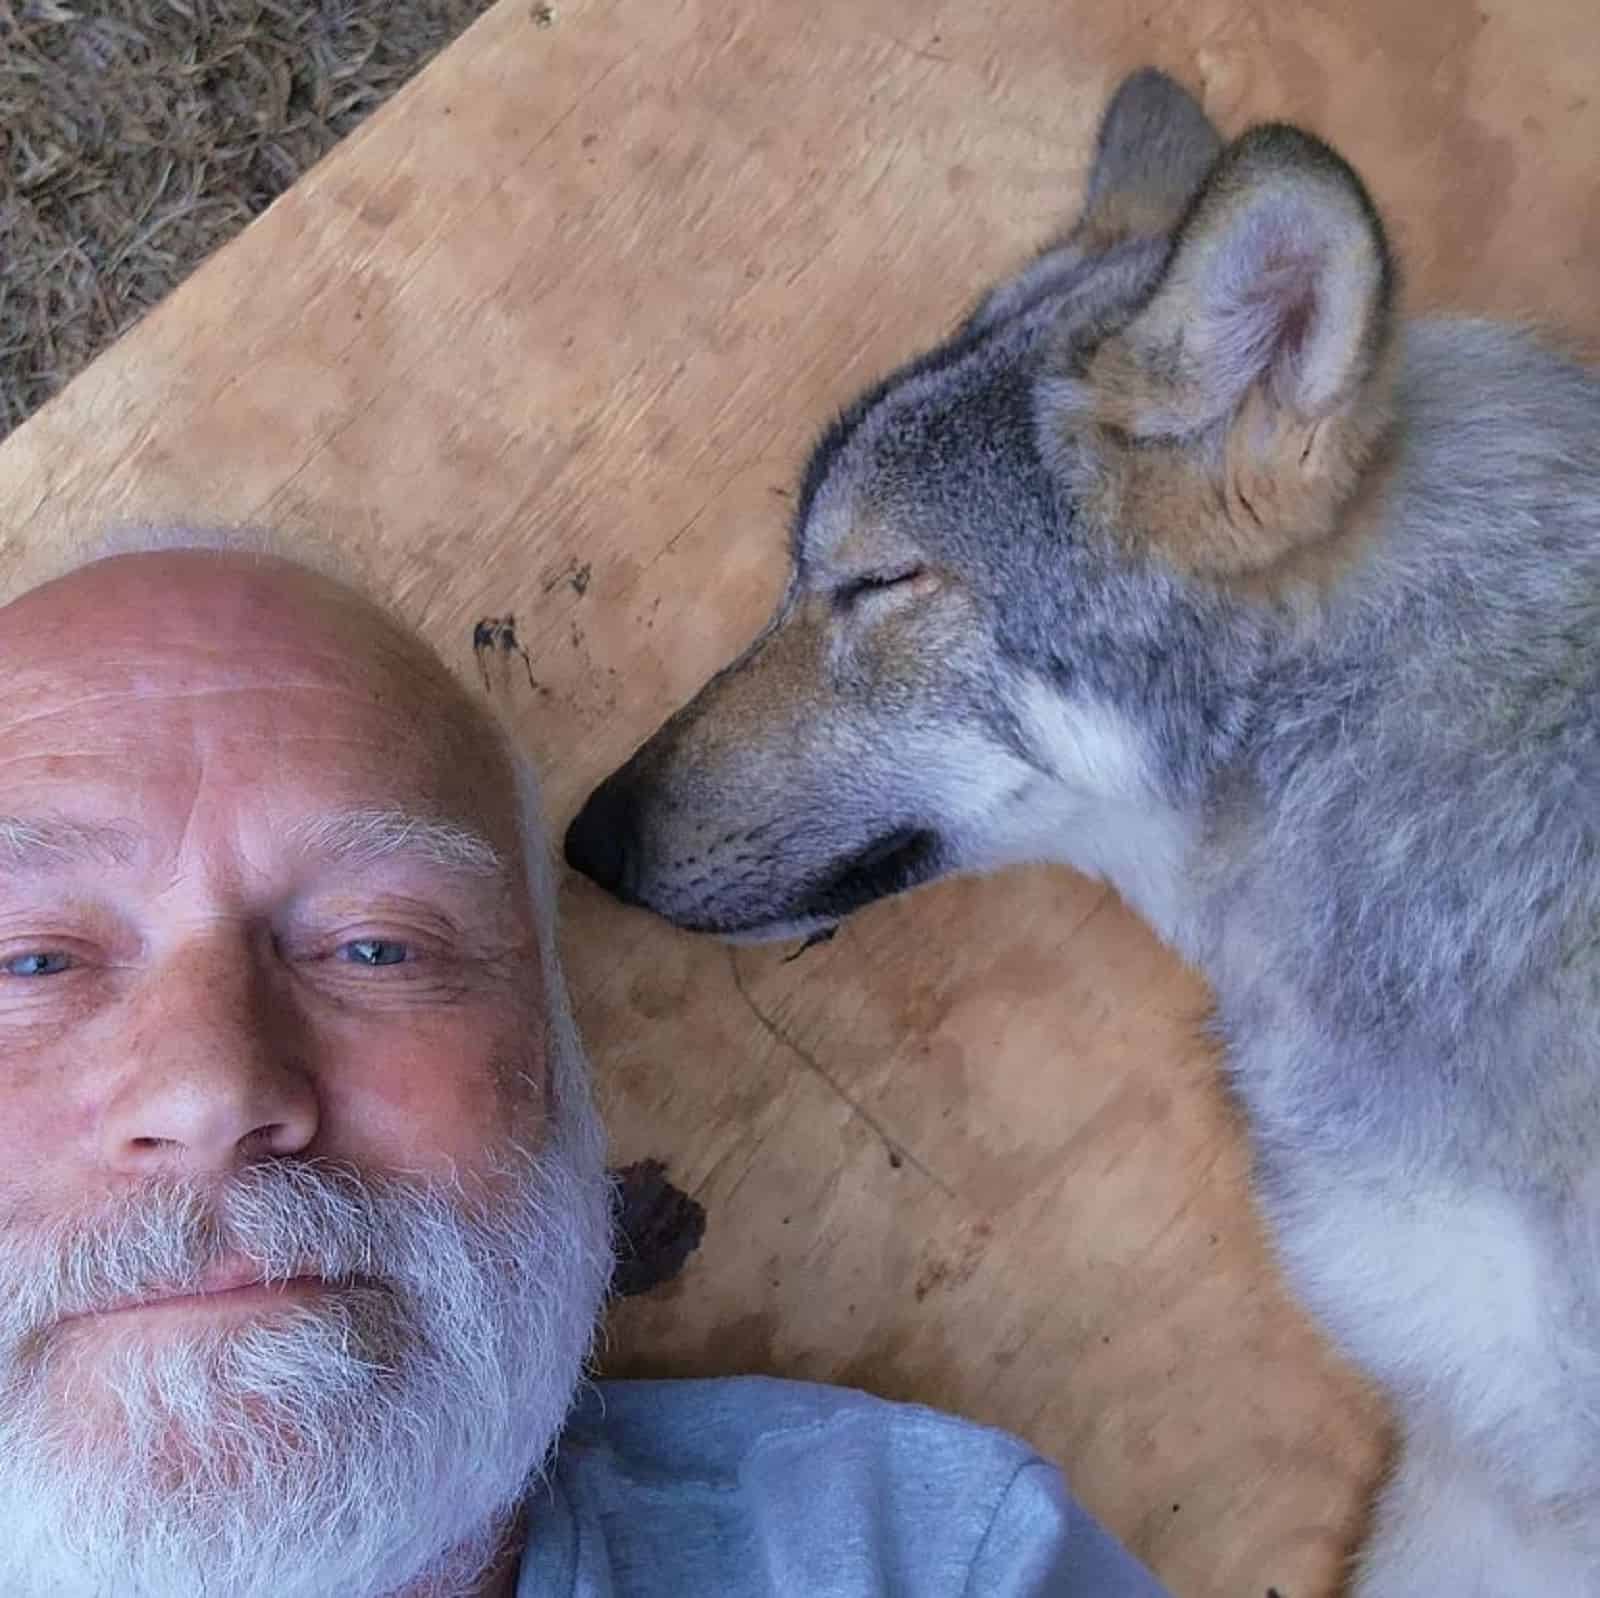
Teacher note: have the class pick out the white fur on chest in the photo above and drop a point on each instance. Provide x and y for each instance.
(1449, 1296)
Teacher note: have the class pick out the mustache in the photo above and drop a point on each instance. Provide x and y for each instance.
(283, 1218)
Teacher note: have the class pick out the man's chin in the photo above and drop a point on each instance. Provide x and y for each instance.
(353, 1443)
(278, 1453)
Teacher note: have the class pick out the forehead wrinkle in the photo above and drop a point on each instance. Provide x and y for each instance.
(16, 723)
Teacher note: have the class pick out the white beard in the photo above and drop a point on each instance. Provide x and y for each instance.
(375, 1439)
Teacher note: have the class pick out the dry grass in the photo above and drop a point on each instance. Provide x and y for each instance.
(137, 135)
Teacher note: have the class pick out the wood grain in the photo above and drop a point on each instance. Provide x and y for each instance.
(547, 339)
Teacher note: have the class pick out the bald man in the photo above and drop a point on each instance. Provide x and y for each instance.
(304, 1225)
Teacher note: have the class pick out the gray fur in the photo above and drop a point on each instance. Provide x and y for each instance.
(1371, 819)
(1155, 140)
(1156, 145)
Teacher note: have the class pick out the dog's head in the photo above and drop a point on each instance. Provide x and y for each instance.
(1028, 570)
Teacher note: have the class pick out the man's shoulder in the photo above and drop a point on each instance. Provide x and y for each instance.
(754, 1486)
(703, 1428)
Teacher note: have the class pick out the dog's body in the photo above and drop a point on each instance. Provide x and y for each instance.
(1183, 564)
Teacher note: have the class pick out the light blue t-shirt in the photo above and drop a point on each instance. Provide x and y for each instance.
(754, 1488)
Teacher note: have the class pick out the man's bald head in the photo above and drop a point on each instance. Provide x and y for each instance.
(214, 616)
(274, 951)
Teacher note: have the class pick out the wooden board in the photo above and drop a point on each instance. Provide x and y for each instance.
(548, 339)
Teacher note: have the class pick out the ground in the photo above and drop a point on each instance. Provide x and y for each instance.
(138, 135)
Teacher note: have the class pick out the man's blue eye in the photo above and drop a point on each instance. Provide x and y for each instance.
(374, 951)
(37, 963)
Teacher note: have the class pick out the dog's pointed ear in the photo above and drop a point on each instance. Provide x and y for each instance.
(1233, 415)
(1280, 278)
(1153, 151)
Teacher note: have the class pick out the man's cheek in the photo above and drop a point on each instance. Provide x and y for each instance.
(53, 1105)
(441, 1092)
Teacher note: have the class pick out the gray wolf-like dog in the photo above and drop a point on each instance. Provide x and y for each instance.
(1188, 563)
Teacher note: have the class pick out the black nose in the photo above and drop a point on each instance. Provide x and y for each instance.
(603, 840)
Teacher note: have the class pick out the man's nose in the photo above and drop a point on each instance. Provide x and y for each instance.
(212, 1077)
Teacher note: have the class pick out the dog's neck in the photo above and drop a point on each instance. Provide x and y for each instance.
(1145, 856)
(1091, 803)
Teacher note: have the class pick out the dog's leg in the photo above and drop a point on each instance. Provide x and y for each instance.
(1444, 1531)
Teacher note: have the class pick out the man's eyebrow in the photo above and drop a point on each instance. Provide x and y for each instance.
(41, 843)
(362, 837)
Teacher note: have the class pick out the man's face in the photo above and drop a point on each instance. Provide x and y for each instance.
(286, 1230)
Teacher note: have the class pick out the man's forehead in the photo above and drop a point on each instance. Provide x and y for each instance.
(39, 844)
(166, 672)
(198, 615)
(193, 584)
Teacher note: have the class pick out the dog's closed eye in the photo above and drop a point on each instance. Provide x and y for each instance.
(916, 579)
